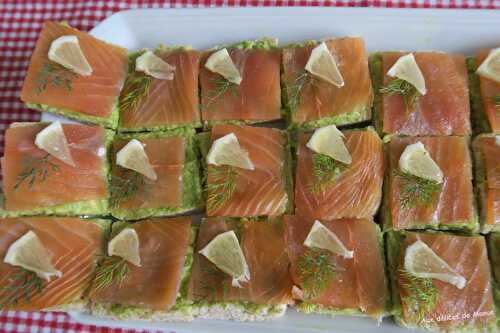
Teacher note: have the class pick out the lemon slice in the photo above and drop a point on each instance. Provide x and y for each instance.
(497, 140)
(29, 253)
(220, 62)
(417, 161)
(490, 67)
(154, 66)
(329, 141)
(227, 151)
(66, 51)
(133, 156)
(322, 64)
(224, 251)
(422, 262)
(126, 245)
(406, 68)
(53, 140)
(323, 238)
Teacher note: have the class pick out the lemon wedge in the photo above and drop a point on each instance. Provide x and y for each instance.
(29, 253)
(329, 141)
(417, 161)
(421, 261)
(66, 51)
(323, 238)
(133, 156)
(126, 245)
(227, 151)
(224, 251)
(154, 66)
(53, 140)
(406, 68)
(497, 140)
(220, 62)
(322, 64)
(490, 67)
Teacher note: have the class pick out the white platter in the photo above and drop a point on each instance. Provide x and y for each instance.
(383, 29)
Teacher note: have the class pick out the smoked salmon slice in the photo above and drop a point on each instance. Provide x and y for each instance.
(157, 289)
(38, 183)
(268, 291)
(174, 158)
(256, 99)
(336, 284)
(356, 192)
(436, 305)
(412, 204)
(147, 103)
(74, 245)
(263, 191)
(50, 87)
(312, 102)
(443, 110)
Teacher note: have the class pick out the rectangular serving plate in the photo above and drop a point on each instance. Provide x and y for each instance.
(383, 29)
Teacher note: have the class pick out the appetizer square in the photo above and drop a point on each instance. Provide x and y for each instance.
(429, 184)
(155, 174)
(55, 169)
(337, 266)
(249, 92)
(440, 105)
(328, 189)
(252, 282)
(314, 100)
(487, 155)
(64, 251)
(68, 76)
(164, 99)
(248, 172)
(441, 282)
(493, 241)
(146, 271)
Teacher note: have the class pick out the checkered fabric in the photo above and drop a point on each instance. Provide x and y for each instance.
(20, 23)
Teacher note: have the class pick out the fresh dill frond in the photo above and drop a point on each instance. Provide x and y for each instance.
(110, 271)
(416, 191)
(294, 91)
(403, 88)
(496, 101)
(421, 295)
(316, 269)
(325, 171)
(125, 186)
(212, 280)
(221, 86)
(22, 286)
(135, 90)
(35, 169)
(221, 185)
(56, 75)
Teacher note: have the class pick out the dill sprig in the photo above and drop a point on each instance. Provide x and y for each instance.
(496, 101)
(421, 295)
(222, 185)
(222, 85)
(22, 286)
(135, 89)
(294, 91)
(56, 75)
(209, 285)
(416, 191)
(35, 169)
(403, 88)
(316, 268)
(325, 171)
(125, 186)
(110, 271)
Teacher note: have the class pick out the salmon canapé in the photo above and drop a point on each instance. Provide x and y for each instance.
(435, 304)
(489, 91)
(52, 88)
(162, 104)
(443, 110)
(256, 99)
(237, 192)
(326, 282)
(74, 246)
(353, 190)
(312, 102)
(36, 182)
(414, 203)
(155, 285)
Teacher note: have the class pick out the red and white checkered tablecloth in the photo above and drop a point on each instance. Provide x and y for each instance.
(20, 23)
